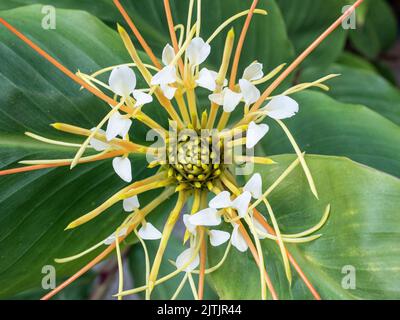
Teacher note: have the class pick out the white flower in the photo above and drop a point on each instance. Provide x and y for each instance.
(227, 98)
(218, 237)
(185, 257)
(168, 91)
(255, 132)
(166, 75)
(122, 81)
(254, 186)
(168, 55)
(221, 201)
(149, 232)
(241, 203)
(141, 98)
(207, 79)
(281, 107)
(118, 125)
(249, 91)
(131, 204)
(206, 217)
(197, 51)
(189, 226)
(97, 144)
(253, 72)
(122, 167)
(237, 239)
(111, 239)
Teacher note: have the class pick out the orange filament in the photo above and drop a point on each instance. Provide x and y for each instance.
(63, 69)
(239, 47)
(294, 263)
(137, 34)
(172, 33)
(304, 55)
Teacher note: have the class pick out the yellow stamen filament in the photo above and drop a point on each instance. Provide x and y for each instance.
(180, 287)
(280, 241)
(317, 83)
(232, 19)
(258, 160)
(147, 263)
(51, 141)
(120, 265)
(93, 133)
(192, 286)
(301, 158)
(270, 75)
(81, 254)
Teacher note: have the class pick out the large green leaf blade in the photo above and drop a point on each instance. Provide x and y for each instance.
(362, 228)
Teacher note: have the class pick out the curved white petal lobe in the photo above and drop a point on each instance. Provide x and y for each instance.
(168, 91)
(97, 144)
(131, 204)
(217, 98)
(141, 98)
(122, 167)
(255, 132)
(221, 200)
(282, 107)
(206, 217)
(197, 51)
(117, 126)
(185, 257)
(168, 54)
(253, 72)
(237, 240)
(260, 230)
(231, 100)
(122, 81)
(149, 232)
(254, 186)
(190, 227)
(206, 79)
(111, 238)
(166, 75)
(241, 203)
(249, 91)
(218, 237)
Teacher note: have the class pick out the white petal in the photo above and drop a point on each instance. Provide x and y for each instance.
(122, 81)
(122, 167)
(141, 98)
(217, 98)
(197, 51)
(97, 144)
(149, 232)
(231, 100)
(254, 186)
(206, 79)
(253, 72)
(221, 200)
(218, 237)
(190, 227)
(282, 107)
(241, 203)
(168, 54)
(111, 238)
(261, 231)
(237, 240)
(185, 257)
(206, 217)
(249, 91)
(117, 125)
(131, 204)
(168, 91)
(255, 132)
(166, 75)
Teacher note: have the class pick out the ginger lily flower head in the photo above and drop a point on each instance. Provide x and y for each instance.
(198, 158)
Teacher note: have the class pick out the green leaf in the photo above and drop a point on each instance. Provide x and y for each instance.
(37, 206)
(325, 126)
(360, 87)
(361, 230)
(378, 32)
(306, 20)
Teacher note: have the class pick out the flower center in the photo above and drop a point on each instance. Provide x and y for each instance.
(195, 159)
